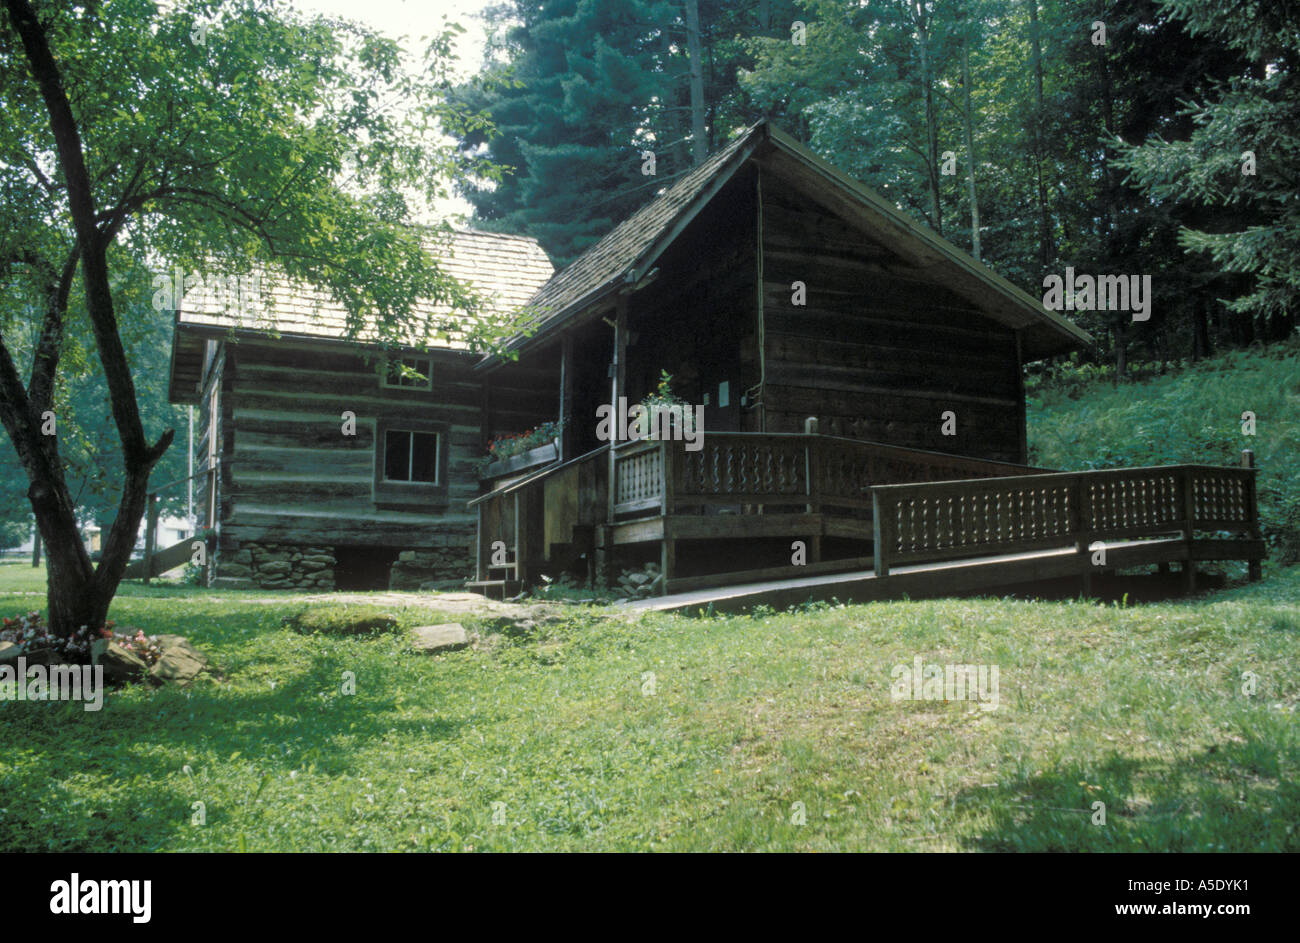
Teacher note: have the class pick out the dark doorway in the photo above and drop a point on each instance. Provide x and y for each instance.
(363, 568)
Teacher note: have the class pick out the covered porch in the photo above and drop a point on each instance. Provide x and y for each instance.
(745, 508)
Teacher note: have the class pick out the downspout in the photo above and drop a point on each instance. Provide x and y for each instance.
(756, 392)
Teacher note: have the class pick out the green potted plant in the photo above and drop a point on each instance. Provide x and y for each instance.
(515, 452)
(663, 398)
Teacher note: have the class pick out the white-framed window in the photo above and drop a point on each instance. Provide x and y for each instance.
(411, 456)
(408, 373)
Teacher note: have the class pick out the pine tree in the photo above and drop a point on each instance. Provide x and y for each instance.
(1239, 162)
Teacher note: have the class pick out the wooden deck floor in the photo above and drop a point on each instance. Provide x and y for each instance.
(949, 577)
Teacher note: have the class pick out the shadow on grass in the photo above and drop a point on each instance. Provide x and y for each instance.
(1224, 798)
(112, 780)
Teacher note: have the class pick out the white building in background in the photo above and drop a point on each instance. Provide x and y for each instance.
(171, 530)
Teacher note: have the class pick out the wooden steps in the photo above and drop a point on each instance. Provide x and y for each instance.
(495, 589)
(502, 581)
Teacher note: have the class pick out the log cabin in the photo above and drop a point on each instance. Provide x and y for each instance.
(833, 348)
(296, 500)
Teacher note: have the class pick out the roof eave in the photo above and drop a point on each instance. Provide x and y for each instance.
(637, 269)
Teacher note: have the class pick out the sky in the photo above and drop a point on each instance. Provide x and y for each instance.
(412, 19)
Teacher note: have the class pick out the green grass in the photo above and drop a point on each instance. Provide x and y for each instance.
(19, 576)
(1079, 420)
(1140, 708)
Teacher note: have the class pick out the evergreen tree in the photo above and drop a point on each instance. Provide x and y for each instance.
(579, 91)
(1239, 162)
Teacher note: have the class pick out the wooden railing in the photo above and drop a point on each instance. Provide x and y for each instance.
(915, 523)
(527, 515)
(639, 476)
(915, 506)
(756, 470)
(148, 567)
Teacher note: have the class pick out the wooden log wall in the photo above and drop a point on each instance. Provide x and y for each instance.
(698, 319)
(289, 473)
(879, 351)
(522, 395)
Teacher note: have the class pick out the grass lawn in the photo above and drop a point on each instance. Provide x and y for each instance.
(561, 732)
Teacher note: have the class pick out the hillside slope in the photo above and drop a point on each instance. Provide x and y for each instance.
(1078, 419)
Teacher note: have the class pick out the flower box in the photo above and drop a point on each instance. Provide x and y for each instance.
(542, 455)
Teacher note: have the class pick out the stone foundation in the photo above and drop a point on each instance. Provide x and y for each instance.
(264, 565)
(277, 566)
(452, 562)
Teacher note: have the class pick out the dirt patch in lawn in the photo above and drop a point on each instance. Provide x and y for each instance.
(458, 605)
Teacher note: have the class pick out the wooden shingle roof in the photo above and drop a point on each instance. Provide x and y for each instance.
(624, 256)
(504, 269)
(608, 260)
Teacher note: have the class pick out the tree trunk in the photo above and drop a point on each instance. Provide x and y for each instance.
(931, 119)
(674, 118)
(694, 50)
(78, 594)
(1121, 351)
(970, 149)
(36, 547)
(1046, 248)
(1200, 331)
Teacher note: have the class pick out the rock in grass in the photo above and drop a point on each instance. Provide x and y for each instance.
(343, 620)
(446, 637)
(180, 662)
(9, 651)
(120, 666)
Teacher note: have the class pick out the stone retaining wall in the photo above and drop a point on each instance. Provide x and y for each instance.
(265, 565)
(451, 561)
(278, 566)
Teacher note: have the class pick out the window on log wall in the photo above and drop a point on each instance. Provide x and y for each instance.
(411, 456)
(408, 373)
(411, 464)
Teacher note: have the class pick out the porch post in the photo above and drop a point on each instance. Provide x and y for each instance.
(566, 398)
(882, 532)
(668, 552)
(521, 536)
(1255, 569)
(812, 476)
(1189, 530)
(478, 546)
(1083, 533)
(617, 387)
